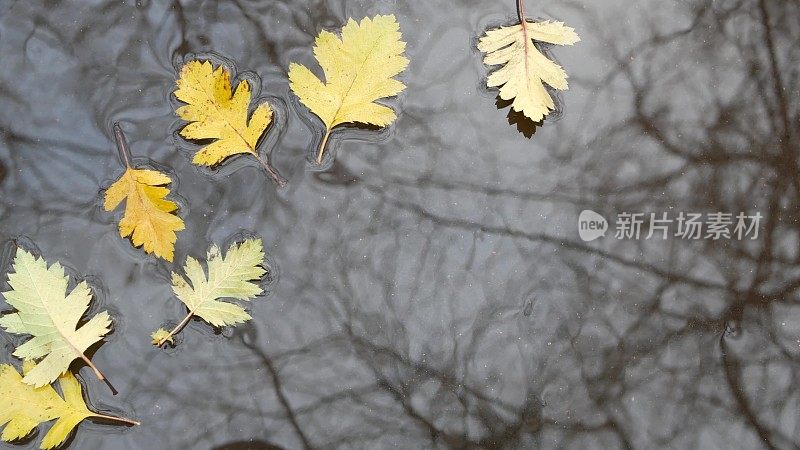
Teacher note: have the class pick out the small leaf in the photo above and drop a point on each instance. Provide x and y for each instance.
(230, 276)
(358, 69)
(45, 311)
(162, 335)
(525, 68)
(215, 111)
(23, 407)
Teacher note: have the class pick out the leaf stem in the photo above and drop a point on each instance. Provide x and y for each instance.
(523, 22)
(322, 146)
(94, 368)
(175, 330)
(122, 145)
(276, 177)
(116, 419)
(98, 374)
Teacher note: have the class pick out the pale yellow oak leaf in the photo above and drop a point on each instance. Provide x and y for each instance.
(231, 276)
(51, 317)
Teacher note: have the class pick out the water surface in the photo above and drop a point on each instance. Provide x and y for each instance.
(430, 289)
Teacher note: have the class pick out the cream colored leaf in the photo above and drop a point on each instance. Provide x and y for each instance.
(359, 68)
(24, 407)
(525, 69)
(46, 312)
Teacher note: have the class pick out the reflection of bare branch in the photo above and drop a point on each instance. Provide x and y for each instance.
(732, 376)
(276, 382)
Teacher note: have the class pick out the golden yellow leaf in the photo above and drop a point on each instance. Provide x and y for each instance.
(215, 111)
(358, 69)
(525, 69)
(24, 407)
(148, 218)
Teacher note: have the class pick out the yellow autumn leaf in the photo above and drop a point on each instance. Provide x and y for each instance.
(358, 69)
(24, 407)
(60, 334)
(525, 69)
(149, 218)
(216, 112)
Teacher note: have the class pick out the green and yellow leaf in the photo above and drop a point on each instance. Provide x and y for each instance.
(161, 335)
(51, 317)
(525, 69)
(231, 276)
(149, 218)
(359, 68)
(24, 407)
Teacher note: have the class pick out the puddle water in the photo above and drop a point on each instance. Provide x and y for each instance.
(430, 286)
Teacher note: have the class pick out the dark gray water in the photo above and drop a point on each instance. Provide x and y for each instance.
(430, 290)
